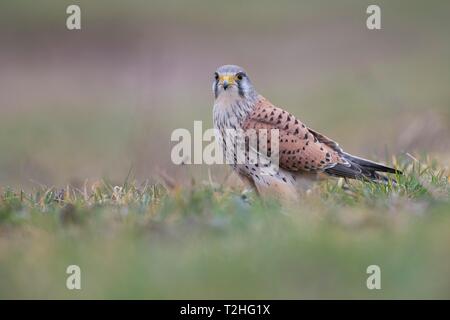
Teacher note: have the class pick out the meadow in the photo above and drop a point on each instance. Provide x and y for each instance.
(208, 241)
(86, 177)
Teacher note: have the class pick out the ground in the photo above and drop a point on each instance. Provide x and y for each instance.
(209, 241)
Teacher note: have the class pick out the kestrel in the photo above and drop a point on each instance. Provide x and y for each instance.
(304, 154)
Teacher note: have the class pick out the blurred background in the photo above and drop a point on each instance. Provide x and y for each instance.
(88, 104)
(95, 103)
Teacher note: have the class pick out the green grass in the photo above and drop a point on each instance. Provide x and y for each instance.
(208, 241)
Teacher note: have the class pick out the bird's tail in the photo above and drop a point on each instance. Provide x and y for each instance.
(363, 169)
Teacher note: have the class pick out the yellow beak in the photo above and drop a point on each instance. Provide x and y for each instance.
(226, 80)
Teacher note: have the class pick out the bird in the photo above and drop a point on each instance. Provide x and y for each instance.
(304, 154)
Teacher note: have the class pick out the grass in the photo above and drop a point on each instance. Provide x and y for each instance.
(209, 241)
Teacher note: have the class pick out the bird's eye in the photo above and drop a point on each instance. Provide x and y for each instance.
(216, 76)
(240, 75)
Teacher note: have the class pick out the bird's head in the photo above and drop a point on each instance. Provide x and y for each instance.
(232, 82)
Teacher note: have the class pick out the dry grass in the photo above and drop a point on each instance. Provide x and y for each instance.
(203, 241)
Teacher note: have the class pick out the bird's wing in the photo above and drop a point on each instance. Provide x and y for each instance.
(327, 141)
(299, 147)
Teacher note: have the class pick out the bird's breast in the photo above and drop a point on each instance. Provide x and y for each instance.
(231, 113)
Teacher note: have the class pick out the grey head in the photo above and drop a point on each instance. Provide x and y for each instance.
(232, 80)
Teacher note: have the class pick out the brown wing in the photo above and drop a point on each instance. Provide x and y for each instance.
(300, 148)
(325, 140)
